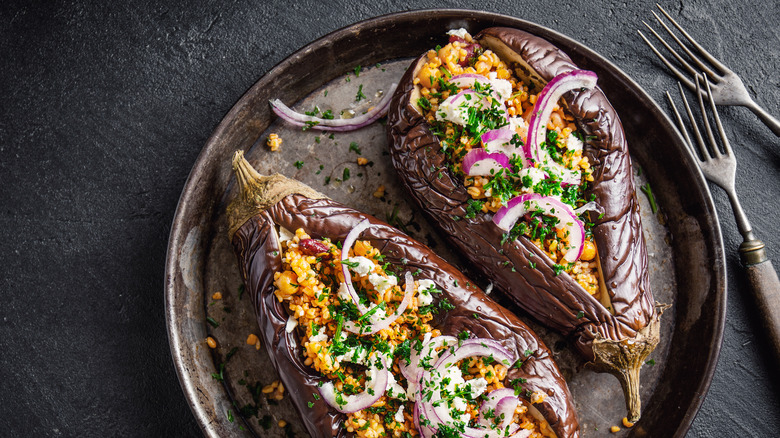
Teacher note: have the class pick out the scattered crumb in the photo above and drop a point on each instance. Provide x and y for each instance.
(211, 342)
(274, 391)
(362, 161)
(627, 423)
(282, 424)
(614, 429)
(252, 339)
(274, 142)
(217, 296)
(380, 192)
(537, 397)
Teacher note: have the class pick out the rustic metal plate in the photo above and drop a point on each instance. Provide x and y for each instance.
(684, 244)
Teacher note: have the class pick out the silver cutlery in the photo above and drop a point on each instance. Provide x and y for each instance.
(719, 166)
(727, 87)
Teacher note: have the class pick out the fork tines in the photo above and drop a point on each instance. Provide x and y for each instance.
(706, 150)
(702, 53)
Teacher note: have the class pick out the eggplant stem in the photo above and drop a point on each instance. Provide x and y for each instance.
(259, 192)
(624, 359)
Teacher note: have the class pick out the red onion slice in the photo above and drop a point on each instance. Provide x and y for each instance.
(470, 96)
(507, 216)
(419, 419)
(537, 125)
(502, 402)
(467, 80)
(546, 100)
(369, 329)
(414, 369)
(590, 206)
(348, 242)
(439, 413)
(479, 162)
(375, 388)
(499, 140)
(298, 119)
(475, 347)
(504, 135)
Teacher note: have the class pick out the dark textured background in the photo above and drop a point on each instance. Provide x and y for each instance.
(105, 108)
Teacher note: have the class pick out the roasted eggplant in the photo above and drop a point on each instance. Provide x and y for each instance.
(451, 107)
(287, 238)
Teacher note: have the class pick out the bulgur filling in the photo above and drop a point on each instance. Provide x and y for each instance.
(464, 112)
(312, 287)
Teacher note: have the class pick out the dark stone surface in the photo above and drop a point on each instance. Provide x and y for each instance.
(105, 108)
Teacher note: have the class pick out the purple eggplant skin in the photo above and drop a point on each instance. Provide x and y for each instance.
(616, 336)
(253, 233)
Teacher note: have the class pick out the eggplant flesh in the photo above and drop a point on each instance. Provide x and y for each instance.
(615, 334)
(266, 203)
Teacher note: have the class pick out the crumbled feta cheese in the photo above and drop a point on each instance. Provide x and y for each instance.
(537, 175)
(455, 377)
(399, 416)
(382, 284)
(343, 293)
(460, 33)
(460, 404)
(357, 355)
(394, 390)
(424, 297)
(457, 113)
(425, 284)
(377, 316)
(502, 88)
(489, 289)
(285, 234)
(478, 386)
(291, 324)
(320, 336)
(364, 265)
(573, 143)
(518, 122)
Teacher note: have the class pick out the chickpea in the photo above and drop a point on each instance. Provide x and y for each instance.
(588, 251)
(445, 53)
(285, 283)
(482, 67)
(361, 248)
(428, 76)
(556, 119)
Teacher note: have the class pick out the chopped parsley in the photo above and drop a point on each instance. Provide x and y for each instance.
(360, 96)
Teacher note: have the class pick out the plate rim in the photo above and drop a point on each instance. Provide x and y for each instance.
(210, 424)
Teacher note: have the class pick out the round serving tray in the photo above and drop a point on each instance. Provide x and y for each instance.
(684, 242)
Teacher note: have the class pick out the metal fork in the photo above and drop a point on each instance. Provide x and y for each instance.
(720, 167)
(727, 87)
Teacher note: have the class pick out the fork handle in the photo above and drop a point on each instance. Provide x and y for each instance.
(765, 287)
(765, 117)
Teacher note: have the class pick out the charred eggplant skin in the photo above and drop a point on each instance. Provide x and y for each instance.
(519, 268)
(259, 256)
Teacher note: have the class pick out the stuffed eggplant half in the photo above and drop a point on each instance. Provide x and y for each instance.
(374, 335)
(520, 159)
